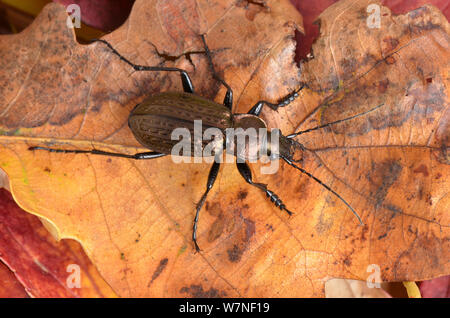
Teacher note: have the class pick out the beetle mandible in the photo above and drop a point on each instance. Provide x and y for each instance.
(153, 120)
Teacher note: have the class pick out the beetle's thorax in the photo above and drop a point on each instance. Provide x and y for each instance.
(251, 139)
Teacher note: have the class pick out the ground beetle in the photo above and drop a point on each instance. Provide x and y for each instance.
(153, 120)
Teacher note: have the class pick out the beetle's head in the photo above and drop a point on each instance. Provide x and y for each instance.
(252, 139)
(281, 146)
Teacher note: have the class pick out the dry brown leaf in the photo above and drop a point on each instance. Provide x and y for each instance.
(135, 218)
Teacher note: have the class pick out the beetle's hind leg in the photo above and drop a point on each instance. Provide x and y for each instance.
(246, 173)
(228, 100)
(185, 79)
(286, 100)
(137, 156)
(213, 172)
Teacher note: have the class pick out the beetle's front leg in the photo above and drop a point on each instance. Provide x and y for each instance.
(286, 100)
(246, 173)
(228, 100)
(185, 79)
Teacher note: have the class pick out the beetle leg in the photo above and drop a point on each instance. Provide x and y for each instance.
(286, 100)
(246, 173)
(213, 172)
(228, 100)
(137, 156)
(185, 79)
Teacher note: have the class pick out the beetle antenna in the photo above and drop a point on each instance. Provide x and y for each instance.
(289, 162)
(332, 123)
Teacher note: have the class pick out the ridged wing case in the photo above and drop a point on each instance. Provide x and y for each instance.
(153, 121)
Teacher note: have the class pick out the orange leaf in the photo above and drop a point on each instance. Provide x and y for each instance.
(134, 218)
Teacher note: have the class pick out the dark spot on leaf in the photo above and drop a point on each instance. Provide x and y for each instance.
(249, 229)
(216, 228)
(162, 265)
(382, 176)
(242, 194)
(393, 208)
(213, 208)
(237, 250)
(197, 291)
(364, 232)
(347, 261)
(422, 169)
(234, 254)
(382, 236)
(391, 44)
(383, 86)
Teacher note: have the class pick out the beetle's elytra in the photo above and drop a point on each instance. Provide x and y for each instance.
(154, 119)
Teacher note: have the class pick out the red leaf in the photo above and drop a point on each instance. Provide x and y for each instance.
(436, 288)
(40, 262)
(102, 14)
(10, 287)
